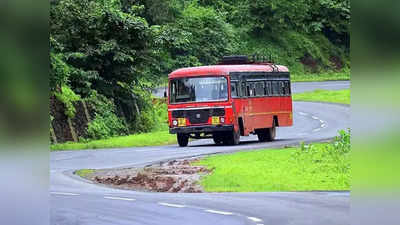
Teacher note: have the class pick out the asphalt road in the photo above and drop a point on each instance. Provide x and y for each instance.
(75, 201)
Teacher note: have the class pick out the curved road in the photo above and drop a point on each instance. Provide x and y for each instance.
(77, 201)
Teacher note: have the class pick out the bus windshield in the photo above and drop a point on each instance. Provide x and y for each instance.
(198, 89)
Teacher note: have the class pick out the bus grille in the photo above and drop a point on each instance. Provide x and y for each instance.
(198, 116)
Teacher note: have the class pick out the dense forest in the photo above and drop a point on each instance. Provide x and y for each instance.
(111, 53)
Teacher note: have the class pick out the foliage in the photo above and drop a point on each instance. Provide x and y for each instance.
(154, 118)
(278, 15)
(199, 36)
(333, 18)
(68, 96)
(106, 123)
(104, 44)
(59, 70)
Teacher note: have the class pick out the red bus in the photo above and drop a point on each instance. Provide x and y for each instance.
(235, 98)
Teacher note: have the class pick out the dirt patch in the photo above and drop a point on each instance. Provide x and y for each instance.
(310, 62)
(171, 176)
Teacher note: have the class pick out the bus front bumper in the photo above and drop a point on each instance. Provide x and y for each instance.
(201, 129)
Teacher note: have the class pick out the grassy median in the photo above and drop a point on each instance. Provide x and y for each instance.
(136, 140)
(84, 173)
(319, 167)
(344, 75)
(338, 96)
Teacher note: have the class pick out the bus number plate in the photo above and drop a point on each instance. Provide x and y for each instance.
(181, 122)
(215, 120)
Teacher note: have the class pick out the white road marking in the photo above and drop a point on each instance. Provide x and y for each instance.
(63, 193)
(118, 198)
(316, 130)
(315, 118)
(323, 125)
(218, 212)
(303, 114)
(329, 85)
(254, 219)
(321, 121)
(171, 205)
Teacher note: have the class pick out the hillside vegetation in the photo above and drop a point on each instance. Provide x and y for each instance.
(111, 53)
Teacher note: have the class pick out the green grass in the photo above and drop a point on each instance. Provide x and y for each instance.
(137, 140)
(339, 96)
(291, 169)
(84, 172)
(320, 77)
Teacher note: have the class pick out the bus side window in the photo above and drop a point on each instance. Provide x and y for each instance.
(282, 88)
(287, 88)
(275, 88)
(234, 90)
(172, 91)
(268, 88)
(253, 89)
(259, 89)
(249, 92)
(244, 89)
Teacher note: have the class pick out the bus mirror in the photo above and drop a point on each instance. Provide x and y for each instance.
(165, 94)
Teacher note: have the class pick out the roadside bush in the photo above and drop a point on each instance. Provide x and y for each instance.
(105, 126)
(161, 115)
(68, 96)
(152, 118)
(106, 123)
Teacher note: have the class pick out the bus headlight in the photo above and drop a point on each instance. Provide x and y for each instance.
(175, 122)
(222, 119)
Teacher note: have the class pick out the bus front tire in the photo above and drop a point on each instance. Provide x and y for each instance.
(267, 134)
(218, 139)
(232, 138)
(183, 139)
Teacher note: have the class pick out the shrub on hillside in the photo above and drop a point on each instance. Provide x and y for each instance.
(106, 123)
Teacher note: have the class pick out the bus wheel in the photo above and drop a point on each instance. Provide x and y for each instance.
(183, 139)
(218, 139)
(233, 138)
(267, 134)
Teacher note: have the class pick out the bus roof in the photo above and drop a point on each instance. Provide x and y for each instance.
(225, 70)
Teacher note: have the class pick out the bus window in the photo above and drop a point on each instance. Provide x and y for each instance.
(244, 90)
(268, 88)
(234, 90)
(275, 88)
(250, 89)
(282, 88)
(259, 89)
(287, 88)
